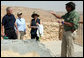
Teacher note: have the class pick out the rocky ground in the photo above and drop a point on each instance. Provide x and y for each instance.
(32, 48)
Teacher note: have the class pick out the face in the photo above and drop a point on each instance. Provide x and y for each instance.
(68, 8)
(35, 17)
(19, 16)
(10, 11)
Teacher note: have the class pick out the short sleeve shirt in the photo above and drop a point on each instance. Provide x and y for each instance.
(21, 25)
(8, 21)
(72, 17)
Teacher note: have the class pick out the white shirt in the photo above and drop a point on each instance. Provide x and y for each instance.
(21, 25)
(40, 30)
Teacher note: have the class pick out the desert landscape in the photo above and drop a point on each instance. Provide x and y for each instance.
(51, 27)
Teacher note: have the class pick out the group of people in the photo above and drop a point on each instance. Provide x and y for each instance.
(70, 23)
(16, 28)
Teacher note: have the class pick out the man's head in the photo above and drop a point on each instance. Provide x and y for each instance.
(9, 10)
(70, 6)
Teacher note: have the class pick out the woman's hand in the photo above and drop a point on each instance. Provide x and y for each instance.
(17, 31)
(25, 32)
(37, 23)
(34, 27)
(29, 26)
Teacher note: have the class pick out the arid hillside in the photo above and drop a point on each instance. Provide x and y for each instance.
(48, 46)
(45, 16)
(51, 27)
(48, 20)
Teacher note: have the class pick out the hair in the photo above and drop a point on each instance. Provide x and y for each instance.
(72, 5)
(8, 8)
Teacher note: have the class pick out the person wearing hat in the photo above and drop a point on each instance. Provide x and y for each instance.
(21, 25)
(33, 25)
(70, 23)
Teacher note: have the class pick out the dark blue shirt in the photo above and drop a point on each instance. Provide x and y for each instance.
(33, 23)
(8, 21)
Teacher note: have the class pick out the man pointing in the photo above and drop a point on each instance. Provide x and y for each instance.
(70, 23)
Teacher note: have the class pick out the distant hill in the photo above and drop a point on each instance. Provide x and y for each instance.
(45, 16)
(51, 27)
(48, 20)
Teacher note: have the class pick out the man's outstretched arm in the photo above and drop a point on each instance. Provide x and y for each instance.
(59, 17)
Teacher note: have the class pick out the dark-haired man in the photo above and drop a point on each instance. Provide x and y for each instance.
(70, 23)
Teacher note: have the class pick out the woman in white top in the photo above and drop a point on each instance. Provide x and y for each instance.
(21, 25)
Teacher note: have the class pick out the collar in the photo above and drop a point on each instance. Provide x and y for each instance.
(19, 19)
(9, 15)
(71, 12)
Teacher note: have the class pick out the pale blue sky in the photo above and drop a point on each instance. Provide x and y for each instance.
(46, 5)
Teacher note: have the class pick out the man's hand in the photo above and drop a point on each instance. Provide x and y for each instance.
(53, 13)
(2, 38)
(2, 34)
(2, 31)
(62, 22)
(58, 21)
(68, 24)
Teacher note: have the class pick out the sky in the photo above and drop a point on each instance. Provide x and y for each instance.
(46, 5)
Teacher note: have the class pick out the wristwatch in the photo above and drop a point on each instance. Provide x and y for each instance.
(62, 22)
